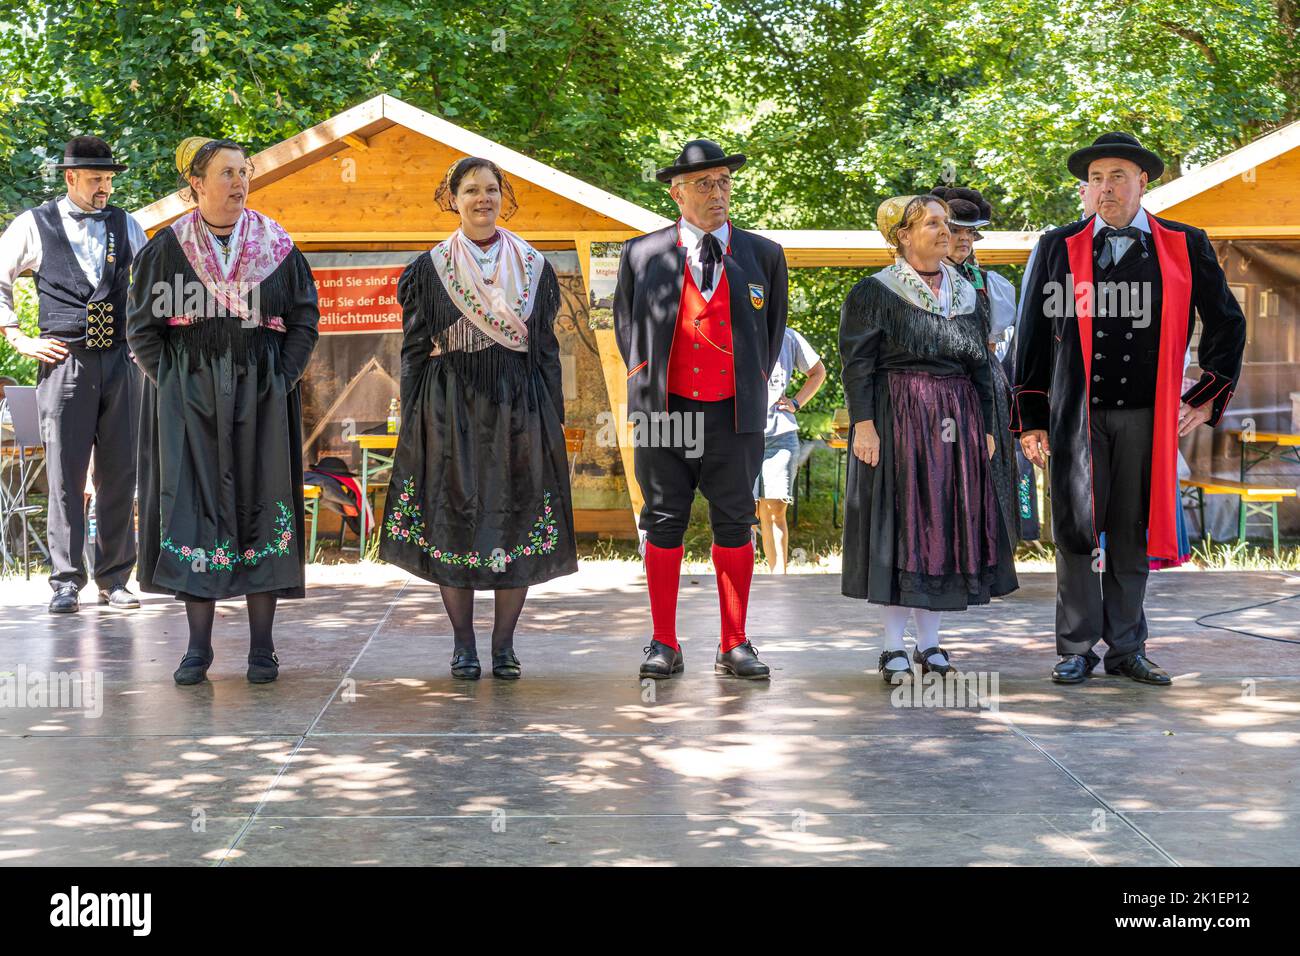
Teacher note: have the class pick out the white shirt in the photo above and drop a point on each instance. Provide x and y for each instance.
(692, 237)
(20, 250)
(486, 259)
(226, 262)
(1002, 302)
(796, 353)
(1119, 244)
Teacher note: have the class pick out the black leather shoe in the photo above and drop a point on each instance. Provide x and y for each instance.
(1142, 671)
(465, 666)
(1072, 669)
(741, 661)
(194, 667)
(661, 661)
(119, 598)
(65, 600)
(893, 676)
(505, 666)
(922, 657)
(263, 666)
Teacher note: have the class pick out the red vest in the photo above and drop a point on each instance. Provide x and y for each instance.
(701, 364)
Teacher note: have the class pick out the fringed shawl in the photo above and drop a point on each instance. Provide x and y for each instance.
(263, 245)
(491, 310)
(494, 370)
(203, 323)
(916, 330)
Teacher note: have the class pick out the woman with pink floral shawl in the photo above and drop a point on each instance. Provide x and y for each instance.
(222, 319)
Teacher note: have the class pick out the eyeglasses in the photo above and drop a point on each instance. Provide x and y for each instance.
(705, 186)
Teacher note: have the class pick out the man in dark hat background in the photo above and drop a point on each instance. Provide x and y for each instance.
(700, 313)
(79, 247)
(1108, 314)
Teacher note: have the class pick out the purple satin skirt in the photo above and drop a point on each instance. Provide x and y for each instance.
(946, 511)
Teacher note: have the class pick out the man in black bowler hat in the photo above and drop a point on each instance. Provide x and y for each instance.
(699, 313)
(1109, 310)
(79, 248)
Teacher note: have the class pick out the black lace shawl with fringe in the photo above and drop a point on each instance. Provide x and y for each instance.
(880, 331)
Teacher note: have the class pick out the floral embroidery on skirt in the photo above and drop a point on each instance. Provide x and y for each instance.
(406, 524)
(223, 557)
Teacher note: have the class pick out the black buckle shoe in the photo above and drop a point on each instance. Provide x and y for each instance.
(1143, 671)
(66, 600)
(1072, 669)
(661, 661)
(465, 666)
(119, 598)
(263, 666)
(741, 661)
(193, 668)
(505, 666)
(922, 657)
(891, 675)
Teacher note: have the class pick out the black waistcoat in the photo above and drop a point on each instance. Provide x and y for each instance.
(71, 310)
(1126, 327)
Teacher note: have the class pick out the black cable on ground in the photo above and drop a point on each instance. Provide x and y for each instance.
(1249, 607)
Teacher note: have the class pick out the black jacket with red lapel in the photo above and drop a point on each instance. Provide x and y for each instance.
(646, 303)
(1052, 375)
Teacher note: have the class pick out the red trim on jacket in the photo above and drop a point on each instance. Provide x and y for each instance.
(1176, 300)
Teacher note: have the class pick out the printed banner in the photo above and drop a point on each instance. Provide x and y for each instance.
(358, 299)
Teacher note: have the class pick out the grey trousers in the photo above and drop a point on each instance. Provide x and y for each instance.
(1099, 597)
(90, 405)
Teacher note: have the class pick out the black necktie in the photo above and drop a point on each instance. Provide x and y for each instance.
(709, 261)
(1104, 258)
(98, 216)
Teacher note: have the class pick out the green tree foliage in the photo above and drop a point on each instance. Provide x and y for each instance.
(839, 103)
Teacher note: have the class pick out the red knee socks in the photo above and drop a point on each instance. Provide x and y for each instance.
(735, 570)
(663, 572)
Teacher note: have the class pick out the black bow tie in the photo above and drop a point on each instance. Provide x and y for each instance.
(712, 250)
(1104, 257)
(98, 216)
(1132, 232)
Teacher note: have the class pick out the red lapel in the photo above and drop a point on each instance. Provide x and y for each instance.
(1078, 248)
(1176, 292)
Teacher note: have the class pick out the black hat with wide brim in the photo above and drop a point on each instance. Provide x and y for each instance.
(89, 152)
(700, 154)
(1115, 146)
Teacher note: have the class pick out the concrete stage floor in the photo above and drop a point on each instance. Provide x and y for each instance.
(367, 752)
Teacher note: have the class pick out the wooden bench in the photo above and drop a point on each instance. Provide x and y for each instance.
(1252, 500)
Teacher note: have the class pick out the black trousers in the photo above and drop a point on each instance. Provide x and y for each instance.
(90, 405)
(696, 446)
(1099, 597)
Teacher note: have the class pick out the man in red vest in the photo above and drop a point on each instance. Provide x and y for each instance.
(1107, 316)
(699, 314)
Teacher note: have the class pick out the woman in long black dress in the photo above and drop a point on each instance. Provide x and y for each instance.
(222, 318)
(922, 529)
(479, 498)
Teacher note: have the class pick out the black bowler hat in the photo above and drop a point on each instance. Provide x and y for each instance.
(968, 206)
(89, 152)
(1115, 145)
(700, 154)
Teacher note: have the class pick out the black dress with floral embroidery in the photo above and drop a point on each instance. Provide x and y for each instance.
(479, 496)
(220, 455)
